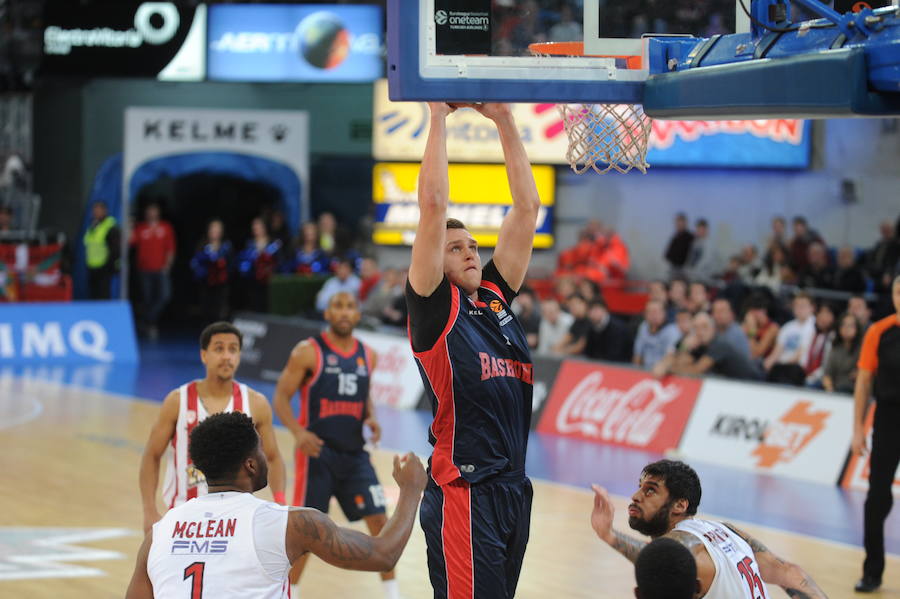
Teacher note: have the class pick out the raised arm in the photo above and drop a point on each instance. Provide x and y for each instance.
(262, 418)
(301, 362)
(426, 270)
(601, 522)
(313, 531)
(790, 577)
(160, 436)
(516, 238)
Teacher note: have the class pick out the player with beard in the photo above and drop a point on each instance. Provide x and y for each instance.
(730, 563)
(229, 544)
(333, 372)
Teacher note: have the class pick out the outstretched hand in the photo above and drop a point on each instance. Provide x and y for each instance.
(493, 110)
(441, 109)
(602, 515)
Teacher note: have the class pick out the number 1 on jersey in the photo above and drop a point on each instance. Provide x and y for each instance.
(195, 573)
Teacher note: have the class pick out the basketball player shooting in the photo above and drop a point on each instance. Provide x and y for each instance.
(333, 371)
(476, 367)
(185, 407)
(229, 544)
(730, 563)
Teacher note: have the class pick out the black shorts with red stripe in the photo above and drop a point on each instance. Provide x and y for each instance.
(346, 475)
(476, 535)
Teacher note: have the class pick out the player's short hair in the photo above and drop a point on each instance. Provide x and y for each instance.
(453, 223)
(665, 569)
(219, 444)
(217, 328)
(681, 480)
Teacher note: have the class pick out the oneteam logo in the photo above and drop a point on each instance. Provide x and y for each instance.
(440, 17)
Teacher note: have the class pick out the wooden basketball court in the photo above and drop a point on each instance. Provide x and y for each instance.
(70, 514)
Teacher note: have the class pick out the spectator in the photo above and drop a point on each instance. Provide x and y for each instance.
(555, 324)
(607, 337)
(882, 259)
(799, 246)
(526, 310)
(659, 291)
(654, 337)
(102, 249)
(818, 273)
(840, 369)
(679, 249)
(698, 300)
(344, 279)
(395, 314)
(787, 362)
(588, 290)
(573, 343)
(749, 264)
(703, 262)
(256, 264)
(154, 241)
(567, 29)
(278, 228)
(760, 329)
(211, 266)
(848, 276)
(705, 352)
(683, 321)
(369, 276)
(564, 287)
(678, 294)
(858, 307)
(6, 219)
(819, 346)
(599, 256)
(383, 296)
(778, 238)
(728, 329)
(310, 259)
(327, 231)
(771, 275)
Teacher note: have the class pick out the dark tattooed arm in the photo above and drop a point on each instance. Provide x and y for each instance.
(311, 530)
(626, 545)
(773, 569)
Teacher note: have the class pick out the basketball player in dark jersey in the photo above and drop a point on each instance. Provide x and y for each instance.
(476, 367)
(332, 371)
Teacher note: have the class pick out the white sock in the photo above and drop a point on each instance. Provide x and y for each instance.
(391, 590)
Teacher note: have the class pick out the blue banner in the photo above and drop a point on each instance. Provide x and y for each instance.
(770, 143)
(68, 333)
(267, 42)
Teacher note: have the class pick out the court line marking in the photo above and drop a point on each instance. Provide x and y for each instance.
(37, 408)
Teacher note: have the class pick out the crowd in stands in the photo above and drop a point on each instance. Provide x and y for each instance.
(794, 313)
(518, 24)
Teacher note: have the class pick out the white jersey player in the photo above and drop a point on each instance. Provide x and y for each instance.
(185, 407)
(229, 544)
(730, 563)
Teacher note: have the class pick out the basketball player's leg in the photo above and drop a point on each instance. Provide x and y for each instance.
(520, 496)
(313, 491)
(361, 497)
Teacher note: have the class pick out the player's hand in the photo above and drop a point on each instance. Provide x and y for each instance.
(602, 515)
(859, 445)
(410, 473)
(373, 425)
(151, 517)
(440, 109)
(493, 110)
(309, 443)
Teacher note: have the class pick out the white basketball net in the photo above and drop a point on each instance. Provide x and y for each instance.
(606, 137)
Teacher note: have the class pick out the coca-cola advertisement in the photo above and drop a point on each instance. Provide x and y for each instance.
(618, 406)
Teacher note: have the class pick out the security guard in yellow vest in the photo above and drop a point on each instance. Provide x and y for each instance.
(102, 247)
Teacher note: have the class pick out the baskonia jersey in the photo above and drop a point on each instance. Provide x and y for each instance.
(223, 545)
(737, 573)
(183, 481)
(479, 376)
(333, 402)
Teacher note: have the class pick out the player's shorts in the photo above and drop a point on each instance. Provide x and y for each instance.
(476, 536)
(348, 476)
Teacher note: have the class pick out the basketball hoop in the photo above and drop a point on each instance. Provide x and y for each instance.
(602, 137)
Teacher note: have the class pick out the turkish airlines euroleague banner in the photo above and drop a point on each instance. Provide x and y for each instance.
(856, 474)
(798, 433)
(400, 129)
(618, 406)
